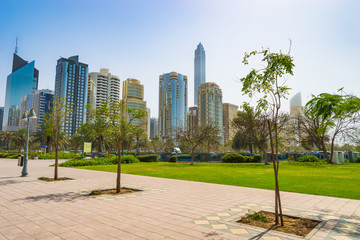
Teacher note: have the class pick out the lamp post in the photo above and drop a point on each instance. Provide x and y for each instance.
(26, 117)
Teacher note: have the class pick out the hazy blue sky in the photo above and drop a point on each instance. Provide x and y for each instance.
(145, 38)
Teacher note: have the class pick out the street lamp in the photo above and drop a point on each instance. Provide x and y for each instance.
(26, 117)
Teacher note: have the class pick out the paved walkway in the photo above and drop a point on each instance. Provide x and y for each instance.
(165, 209)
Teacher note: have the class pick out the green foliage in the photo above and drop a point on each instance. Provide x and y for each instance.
(233, 157)
(256, 216)
(257, 158)
(148, 158)
(173, 158)
(99, 161)
(62, 155)
(308, 158)
(357, 160)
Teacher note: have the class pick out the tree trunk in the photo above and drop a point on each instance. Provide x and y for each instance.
(277, 171)
(56, 163)
(265, 157)
(332, 159)
(192, 156)
(137, 144)
(118, 175)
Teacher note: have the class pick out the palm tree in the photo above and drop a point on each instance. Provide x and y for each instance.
(20, 138)
(76, 141)
(7, 136)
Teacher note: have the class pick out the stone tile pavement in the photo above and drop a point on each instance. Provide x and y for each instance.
(165, 209)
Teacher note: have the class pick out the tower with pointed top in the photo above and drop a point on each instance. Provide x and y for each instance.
(23, 79)
(199, 70)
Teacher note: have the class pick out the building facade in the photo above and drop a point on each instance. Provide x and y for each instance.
(210, 108)
(1, 117)
(173, 98)
(229, 113)
(42, 102)
(133, 95)
(23, 79)
(199, 70)
(154, 127)
(102, 87)
(192, 119)
(71, 84)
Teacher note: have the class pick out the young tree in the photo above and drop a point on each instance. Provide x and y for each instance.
(139, 132)
(267, 82)
(334, 115)
(120, 125)
(54, 122)
(76, 141)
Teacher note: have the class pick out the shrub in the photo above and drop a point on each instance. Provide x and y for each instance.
(357, 160)
(98, 161)
(173, 158)
(233, 157)
(148, 158)
(129, 159)
(257, 216)
(257, 158)
(62, 155)
(308, 158)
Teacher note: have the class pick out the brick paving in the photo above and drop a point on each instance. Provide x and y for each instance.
(165, 209)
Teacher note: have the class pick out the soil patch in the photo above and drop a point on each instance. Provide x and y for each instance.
(46, 179)
(292, 225)
(113, 191)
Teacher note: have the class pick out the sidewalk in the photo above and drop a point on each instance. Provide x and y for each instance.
(165, 209)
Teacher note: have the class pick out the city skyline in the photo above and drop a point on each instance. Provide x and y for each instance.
(325, 42)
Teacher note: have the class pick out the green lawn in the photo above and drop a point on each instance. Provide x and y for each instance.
(342, 180)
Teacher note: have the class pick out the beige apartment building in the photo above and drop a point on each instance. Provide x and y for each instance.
(229, 113)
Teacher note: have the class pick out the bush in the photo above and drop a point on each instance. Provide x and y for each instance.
(357, 160)
(233, 157)
(173, 158)
(257, 158)
(99, 161)
(148, 158)
(308, 158)
(62, 155)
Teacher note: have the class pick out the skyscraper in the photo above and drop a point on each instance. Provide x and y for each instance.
(154, 127)
(148, 112)
(41, 101)
(210, 109)
(199, 70)
(133, 94)
(192, 118)
(23, 79)
(102, 87)
(229, 113)
(172, 103)
(1, 117)
(71, 83)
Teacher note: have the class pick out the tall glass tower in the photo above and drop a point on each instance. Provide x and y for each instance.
(199, 70)
(23, 79)
(71, 83)
(172, 104)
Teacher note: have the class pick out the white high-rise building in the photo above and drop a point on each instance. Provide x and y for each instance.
(103, 87)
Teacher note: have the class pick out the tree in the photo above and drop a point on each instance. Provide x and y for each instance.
(7, 136)
(54, 122)
(76, 141)
(20, 138)
(199, 135)
(120, 125)
(266, 81)
(139, 132)
(156, 144)
(43, 137)
(335, 115)
(252, 129)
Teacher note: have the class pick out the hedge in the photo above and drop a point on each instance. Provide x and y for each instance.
(99, 161)
(233, 157)
(308, 158)
(148, 158)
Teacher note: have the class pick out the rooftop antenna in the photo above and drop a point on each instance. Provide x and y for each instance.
(16, 48)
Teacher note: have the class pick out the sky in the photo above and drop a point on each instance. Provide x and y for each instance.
(143, 39)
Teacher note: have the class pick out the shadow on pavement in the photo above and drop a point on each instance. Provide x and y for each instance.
(8, 182)
(56, 197)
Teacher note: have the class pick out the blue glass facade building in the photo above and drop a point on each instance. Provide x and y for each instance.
(173, 96)
(71, 83)
(199, 70)
(23, 79)
(1, 117)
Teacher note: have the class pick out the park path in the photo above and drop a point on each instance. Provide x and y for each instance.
(165, 209)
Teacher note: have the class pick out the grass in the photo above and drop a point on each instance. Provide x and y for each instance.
(340, 180)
